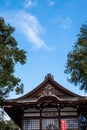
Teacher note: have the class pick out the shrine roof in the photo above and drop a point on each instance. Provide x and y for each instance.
(49, 87)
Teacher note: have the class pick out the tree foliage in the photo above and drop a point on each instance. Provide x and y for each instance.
(8, 125)
(77, 60)
(10, 54)
(5, 126)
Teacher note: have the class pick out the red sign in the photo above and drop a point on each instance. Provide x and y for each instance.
(63, 124)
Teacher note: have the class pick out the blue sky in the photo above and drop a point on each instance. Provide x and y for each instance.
(47, 30)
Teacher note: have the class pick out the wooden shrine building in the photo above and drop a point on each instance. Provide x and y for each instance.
(45, 107)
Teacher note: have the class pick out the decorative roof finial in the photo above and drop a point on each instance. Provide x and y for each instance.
(49, 75)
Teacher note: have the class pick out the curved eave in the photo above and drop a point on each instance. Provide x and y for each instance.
(44, 98)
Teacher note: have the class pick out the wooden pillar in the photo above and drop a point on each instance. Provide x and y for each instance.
(22, 123)
(40, 118)
(59, 119)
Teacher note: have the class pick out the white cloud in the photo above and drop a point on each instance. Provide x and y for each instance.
(51, 3)
(31, 27)
(30, 3)
(65, 23)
